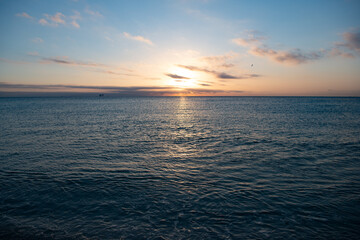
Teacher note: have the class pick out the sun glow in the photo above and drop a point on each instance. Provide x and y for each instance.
(181, 77)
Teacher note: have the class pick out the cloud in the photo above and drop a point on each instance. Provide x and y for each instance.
(138, 38)
(109, 39)
(298, 56)
(10, 89)
(227, 65)
(34, 54)
(60, 19)
(220, 60)
(176, 76)
(114, 73)
(335, 52)
(205, 84)
(74, 19)
(292, 57)
(24, 15)
(56, 86)
(220, 75)
(223, 75)
(43, 22)
(251, 40)
(37, 40)
(67, 61)
(349, 47)
(54, 20)
(93, 13)
(75, 24)
(351, 41)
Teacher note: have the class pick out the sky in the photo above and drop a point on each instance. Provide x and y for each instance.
(180, 48)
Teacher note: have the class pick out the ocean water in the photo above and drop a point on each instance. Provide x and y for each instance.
(180, 168)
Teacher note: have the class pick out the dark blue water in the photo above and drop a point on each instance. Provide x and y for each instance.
(180, 168)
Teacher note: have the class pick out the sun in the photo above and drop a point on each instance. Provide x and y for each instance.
(181, 77)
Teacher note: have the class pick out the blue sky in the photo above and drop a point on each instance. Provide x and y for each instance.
(180, 47)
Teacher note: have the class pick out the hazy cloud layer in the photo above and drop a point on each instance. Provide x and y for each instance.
(220, 75)
(138, 38)
(66, 90)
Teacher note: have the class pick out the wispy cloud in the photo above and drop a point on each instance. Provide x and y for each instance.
(220, 75)
(37, 40)
(92, 66)
(108, 38)
(74, 19)
(61, 19)
(53, 20)
(67, 61)
(24, 15)
(205, 84)
(43, 22)
(227, 65)
(34, 54)
(75, 24)
(250, 40)
(220, 60)
(138, 38)
(175, 76)
(92, 13)
(56, 19)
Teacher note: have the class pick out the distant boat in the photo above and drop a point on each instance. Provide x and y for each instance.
(101, 95)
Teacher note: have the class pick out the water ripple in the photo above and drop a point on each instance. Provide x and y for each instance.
(179, 168)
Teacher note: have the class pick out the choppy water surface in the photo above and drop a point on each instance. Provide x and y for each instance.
(180, 168)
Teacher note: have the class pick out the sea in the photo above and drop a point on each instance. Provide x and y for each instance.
(180, 168)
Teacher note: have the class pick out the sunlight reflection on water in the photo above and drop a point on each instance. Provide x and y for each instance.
(179, 168)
